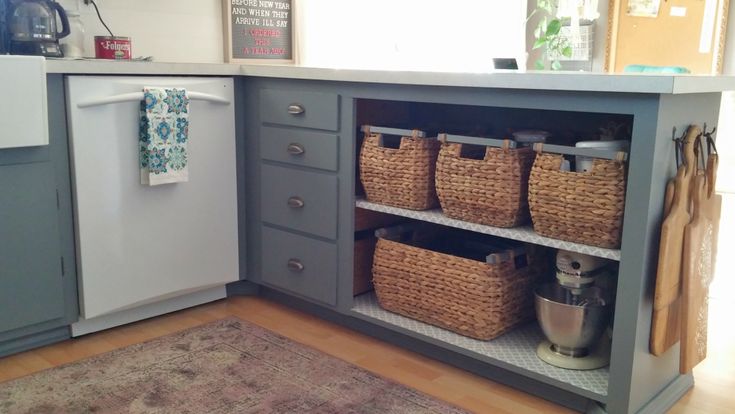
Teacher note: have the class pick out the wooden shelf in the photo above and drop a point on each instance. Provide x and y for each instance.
(524, 234)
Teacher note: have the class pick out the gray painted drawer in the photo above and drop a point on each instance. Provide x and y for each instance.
(308, 149)
(300, 108)
(300, 200)
(301, 265)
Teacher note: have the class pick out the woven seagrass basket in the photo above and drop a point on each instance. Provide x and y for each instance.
(466, 296)
(491, 191)
(401, 177)
(582, 207)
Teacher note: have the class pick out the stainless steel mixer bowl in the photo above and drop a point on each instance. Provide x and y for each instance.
(572, 329)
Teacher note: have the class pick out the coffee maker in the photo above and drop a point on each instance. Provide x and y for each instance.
(30, 27)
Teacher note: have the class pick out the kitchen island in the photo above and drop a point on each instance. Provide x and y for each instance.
(336, 102)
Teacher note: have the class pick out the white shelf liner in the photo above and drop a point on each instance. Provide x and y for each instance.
(517, 347)
(524, 234)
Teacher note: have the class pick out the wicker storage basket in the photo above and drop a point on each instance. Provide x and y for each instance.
(492, 190)
(582, 207)
(401, 177)
(469, 297)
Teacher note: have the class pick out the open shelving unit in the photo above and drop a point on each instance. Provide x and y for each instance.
(515, 350)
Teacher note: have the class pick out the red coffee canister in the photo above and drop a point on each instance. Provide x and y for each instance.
(112, 47)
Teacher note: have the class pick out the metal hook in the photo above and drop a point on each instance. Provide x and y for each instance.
(711, 147)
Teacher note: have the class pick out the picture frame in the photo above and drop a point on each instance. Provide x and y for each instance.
(259, 31)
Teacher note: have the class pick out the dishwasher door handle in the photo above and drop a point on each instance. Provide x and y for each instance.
(138, 96)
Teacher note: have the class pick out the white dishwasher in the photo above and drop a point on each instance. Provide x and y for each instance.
(147, 250)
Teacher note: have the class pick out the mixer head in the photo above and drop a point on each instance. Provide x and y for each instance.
(576, 270)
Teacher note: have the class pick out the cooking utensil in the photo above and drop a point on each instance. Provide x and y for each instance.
(666, 321)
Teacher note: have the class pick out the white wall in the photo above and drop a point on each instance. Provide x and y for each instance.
(433, 35)
(168, 30)
(399, 34)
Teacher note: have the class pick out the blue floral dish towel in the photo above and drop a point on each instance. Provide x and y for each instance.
(164, 132)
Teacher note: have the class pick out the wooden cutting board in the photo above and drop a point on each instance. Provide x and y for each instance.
(712, 205)
(700, 250)
(666, 321)
(696, 275)
(669, 196)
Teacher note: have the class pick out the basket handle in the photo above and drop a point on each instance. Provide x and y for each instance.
(414, 133)
(485, 142)
(584, 152)
(498, 251)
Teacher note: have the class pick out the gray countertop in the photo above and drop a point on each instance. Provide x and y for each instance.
(535, 80)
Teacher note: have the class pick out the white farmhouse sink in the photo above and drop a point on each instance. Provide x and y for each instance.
(23, 104)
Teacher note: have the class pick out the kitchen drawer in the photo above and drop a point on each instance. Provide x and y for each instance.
(300, 200)
(300, 264)
(300, 108)
(305, 148)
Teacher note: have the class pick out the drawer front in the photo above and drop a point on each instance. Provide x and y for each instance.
(300, 108)
(308, 149)
(300, 200)
(301, 265)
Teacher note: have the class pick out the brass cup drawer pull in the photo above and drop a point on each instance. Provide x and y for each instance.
(295, 202)
(295, 265)
(295, 149)
(296, 109)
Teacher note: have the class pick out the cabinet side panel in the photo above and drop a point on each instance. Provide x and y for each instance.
(59, 146)
(635, 372)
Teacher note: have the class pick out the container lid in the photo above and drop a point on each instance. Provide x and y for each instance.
(619, 145)
(531, 135)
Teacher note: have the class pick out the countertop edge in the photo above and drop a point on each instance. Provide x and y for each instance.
(541, 81)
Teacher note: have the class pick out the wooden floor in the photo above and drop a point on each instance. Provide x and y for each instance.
(712, 394)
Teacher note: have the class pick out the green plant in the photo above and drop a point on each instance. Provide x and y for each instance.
(548, 36)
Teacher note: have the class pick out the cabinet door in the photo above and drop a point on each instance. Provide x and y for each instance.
(31, 284)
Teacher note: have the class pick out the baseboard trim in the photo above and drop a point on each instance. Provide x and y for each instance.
(242, 288)
(36, 340)
(664, 400)
(85, 326)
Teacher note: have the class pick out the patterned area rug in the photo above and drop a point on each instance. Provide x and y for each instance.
(228, 366)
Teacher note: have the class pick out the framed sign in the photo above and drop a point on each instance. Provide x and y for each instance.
(258, 31)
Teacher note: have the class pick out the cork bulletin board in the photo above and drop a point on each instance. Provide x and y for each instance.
(258, 31)
(688, 33)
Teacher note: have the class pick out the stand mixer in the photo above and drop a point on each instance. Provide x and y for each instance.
(574, 313)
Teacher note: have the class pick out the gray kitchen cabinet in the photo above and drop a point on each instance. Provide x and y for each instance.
(37, 266)
(293, 147)
(310, 265)
(635, 381)
(301, 200)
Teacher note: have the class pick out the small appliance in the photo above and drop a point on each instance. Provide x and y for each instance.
(32, 27)
(574, 313)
